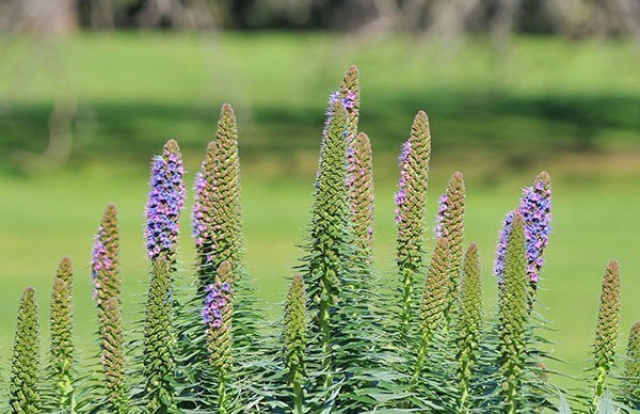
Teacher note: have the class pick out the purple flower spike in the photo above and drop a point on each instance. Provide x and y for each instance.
(166, 199)
(535, 208)
(401, 194)
(217, 303)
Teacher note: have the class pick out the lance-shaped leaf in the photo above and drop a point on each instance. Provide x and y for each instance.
(24, 396)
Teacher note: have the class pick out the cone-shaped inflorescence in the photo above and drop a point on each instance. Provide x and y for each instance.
(217, 212)
(469, 321)
(166, 199)
(631, 384)
(329, 233)
(607, 329)
(105, 263)
(159, 342)
(360, 182)
(451, 227)
(535, 208)
(24, 393)
(434, 301)
(410, 208)
(60, 374)
(105, 268)
(202, 216)
(513, 315)
(113, 359)
(295, 336)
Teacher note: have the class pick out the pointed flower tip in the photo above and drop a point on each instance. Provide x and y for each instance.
(421, 117)
(65, 263)
(353, 70)
(473, 248)
(457, 177)
(544, 178)
(518, 220)
(227, 110)
(613, 267)
(110, 210)
(171, 147)
(28, 292)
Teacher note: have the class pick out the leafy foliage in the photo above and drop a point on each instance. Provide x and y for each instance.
(347, 343)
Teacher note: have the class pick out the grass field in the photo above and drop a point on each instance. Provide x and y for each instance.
(572, 109)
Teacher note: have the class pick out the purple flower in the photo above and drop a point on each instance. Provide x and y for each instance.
(400, 196)
(217, 303)
(348, 101)
(166, 199)
(443, 213)
(535, 208)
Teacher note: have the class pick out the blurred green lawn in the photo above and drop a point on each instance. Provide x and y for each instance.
(572, 109)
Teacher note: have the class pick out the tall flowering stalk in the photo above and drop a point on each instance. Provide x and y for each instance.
(217, 315)
(60, 375)
(326, 259)
(535, 208)
(631, 384)
(360, 182)
(434, 302)
(159, 342)
(166, 199)
(105, 268)
(410, 207)
(607, 330)
(469, 322)
(513, 316)
(24, 396)
(451, 227)
(295, 336)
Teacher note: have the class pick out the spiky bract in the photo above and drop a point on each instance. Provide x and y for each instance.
(159, 342)
(295, 336)
(451, 227)
(631, 383)
(360, 182)
(469, 321)
(410, 207)
(513, 315)
(60, 370)
(607, 328)
(24, 396)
